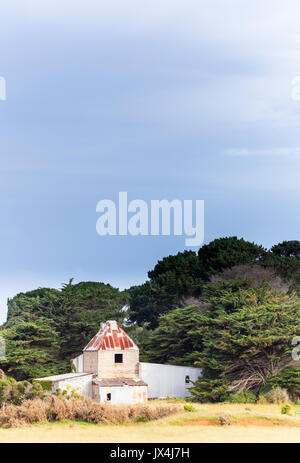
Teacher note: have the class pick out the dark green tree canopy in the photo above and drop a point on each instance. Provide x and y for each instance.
(287, 249)
(226, 252)
(176, 279)
(247, 336)
(47, 327)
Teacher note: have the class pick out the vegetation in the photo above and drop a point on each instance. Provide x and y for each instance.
(14, 392)
(45, 328)
(222, 422)
(176, 280)
(54, 408)
(246, 336)
(286, 409)
(189, 408)
(232, 309)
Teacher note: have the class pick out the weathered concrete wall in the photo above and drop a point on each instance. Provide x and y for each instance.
(107, 368)
(139, 394)
(122, 395)
(81, 384)
(167, 380)
(105, 361)
(90, 361)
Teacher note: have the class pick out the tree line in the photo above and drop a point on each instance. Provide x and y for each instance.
(232, 309)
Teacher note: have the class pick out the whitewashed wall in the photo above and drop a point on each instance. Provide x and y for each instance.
(167, 380)
(163, 380)
(119, 395)
(81, 384)
(78, 363)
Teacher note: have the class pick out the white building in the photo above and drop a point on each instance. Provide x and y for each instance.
(109, 370)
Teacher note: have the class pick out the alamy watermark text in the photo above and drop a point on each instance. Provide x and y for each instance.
(2, 89)
(164, 218)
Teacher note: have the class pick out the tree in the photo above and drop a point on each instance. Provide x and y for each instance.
(289, 379)
(41, 302)
(176, 280)
(175, 340)
(172, 280)
(47, 327)
(155, 298)
(226, 252)
(181, 265)
(246, 335)
(287, 249)
(83, 307)
(32, 349)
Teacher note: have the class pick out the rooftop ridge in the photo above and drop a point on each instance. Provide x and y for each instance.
(111, 337)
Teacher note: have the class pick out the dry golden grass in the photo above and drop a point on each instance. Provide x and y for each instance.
(250, 423)
(54, 409)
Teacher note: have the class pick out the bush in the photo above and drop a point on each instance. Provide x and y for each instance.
(210, 390)
(224, 420)
(286, 409)
(189, 408)
(14, 392)
(45, 384)
(262, 399)
(55, 408)
(244, 397)
(288, 379)
(277, 395)
(142, 419)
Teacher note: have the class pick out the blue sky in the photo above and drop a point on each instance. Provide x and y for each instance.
(175, 99)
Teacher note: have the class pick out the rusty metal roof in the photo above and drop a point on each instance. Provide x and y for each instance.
(111, 337)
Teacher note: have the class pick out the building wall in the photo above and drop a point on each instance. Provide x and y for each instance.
(90, 361)
(107, 368)
(139, 394)
(163, 380)
(167, 380)
(81, 384)
(122, 394)
(78, 363)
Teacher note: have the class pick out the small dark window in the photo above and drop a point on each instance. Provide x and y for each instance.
(118, 358)
(187, 380)
(108, 396)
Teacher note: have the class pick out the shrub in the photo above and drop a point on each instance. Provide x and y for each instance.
(58, 408)
(210, 390)
(244, 397)
(286, 409)
(142, 419)
(189, 408)
(45, 384)
(224, 420)
(277, 395)
(262, 399)
(289, 379)
(14, 392)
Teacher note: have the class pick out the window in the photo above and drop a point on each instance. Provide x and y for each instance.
(118, 358)
(187, 380)
(108, 396)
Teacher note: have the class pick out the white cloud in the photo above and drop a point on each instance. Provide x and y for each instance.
(274, 152)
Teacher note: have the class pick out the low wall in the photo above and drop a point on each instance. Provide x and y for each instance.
(81, 384)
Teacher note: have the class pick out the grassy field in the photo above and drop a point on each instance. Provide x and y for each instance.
(249, 423)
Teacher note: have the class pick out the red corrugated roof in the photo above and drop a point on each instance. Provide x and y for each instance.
(111, 336)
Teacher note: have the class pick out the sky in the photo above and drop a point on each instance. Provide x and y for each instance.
(164, 100)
